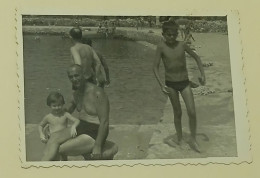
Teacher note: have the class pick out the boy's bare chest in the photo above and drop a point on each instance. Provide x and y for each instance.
(173, 53)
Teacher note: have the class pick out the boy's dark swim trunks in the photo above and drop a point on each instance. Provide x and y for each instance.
(178, 86)
(88, 128)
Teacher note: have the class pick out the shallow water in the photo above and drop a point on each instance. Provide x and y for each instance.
(135, 97)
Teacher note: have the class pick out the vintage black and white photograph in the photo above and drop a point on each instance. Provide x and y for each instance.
(129, 88)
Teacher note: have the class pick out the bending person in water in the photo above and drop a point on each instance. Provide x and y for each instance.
(85, 56)
(106, 81)
(93, 106)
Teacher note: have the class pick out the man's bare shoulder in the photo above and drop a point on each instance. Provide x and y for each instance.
(79, 46)
(73, 48)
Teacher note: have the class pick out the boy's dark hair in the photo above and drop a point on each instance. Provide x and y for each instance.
(87, 41)
(55, 97)
(76, 33)
(169, 25)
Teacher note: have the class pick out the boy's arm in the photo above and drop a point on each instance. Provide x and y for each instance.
(198, 61)
(75, 56)
(156, 65)
(103, 116)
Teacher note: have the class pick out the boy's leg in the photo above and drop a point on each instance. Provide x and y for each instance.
(54, 143)
(188, 98)
(175, 101)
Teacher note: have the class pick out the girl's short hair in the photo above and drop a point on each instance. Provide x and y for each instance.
(55, 97)
(169, 25)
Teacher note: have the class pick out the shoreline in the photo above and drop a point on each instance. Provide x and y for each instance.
(150, 35)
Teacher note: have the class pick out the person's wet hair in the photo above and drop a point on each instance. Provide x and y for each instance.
(76, 33)
(55, 97)
(169, 25)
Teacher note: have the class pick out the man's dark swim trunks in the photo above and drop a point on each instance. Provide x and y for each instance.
(178, 86)
(88, 128)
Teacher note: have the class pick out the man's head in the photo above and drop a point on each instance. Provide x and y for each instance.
(75, 74)
(76, 33)
(170, 31)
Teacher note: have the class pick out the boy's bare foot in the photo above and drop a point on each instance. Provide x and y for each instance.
(174, 142)
(194, 145)
(183, 145)
(171, 142)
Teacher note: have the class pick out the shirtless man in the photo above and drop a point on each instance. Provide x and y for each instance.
(93, 106)
(85, 56)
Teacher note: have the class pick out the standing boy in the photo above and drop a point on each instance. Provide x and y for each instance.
(172, 53)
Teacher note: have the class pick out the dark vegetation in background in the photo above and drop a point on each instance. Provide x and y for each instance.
(199, 23)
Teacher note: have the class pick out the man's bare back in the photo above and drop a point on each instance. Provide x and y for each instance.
(174, 61)
(82, 55)
(85, 56)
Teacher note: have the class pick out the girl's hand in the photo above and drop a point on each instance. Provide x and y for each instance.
(73, 132)
(43, 139)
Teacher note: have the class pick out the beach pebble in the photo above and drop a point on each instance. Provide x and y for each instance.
(202, 90)
(208, 64)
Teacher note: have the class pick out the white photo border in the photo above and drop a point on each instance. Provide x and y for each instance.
(238, 83)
